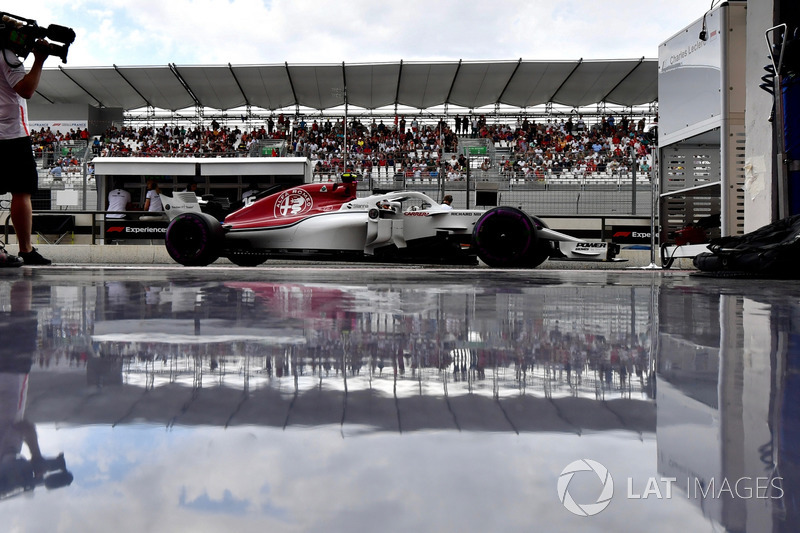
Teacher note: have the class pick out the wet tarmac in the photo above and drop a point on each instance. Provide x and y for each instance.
(355, 398)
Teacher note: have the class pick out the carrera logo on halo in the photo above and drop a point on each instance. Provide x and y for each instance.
(415, 214)
(293, 202)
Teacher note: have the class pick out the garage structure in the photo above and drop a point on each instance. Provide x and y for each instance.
(701, 131)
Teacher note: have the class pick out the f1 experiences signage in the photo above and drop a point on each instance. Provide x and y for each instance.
(135, 229)
(631, 234)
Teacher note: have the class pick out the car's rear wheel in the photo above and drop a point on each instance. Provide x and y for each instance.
(505, 237)
(194, 239)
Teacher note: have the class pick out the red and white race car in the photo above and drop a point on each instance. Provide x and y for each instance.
(328, 220)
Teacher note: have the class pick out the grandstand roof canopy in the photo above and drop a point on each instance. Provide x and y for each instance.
(419, 85)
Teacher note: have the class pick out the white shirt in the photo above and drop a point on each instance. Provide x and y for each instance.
(155, 201)
(13, 107)
(118, 200)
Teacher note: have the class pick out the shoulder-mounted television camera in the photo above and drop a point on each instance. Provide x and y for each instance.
(22, 36)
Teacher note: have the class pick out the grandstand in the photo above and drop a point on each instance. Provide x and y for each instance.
(573, 152)
(551, 159)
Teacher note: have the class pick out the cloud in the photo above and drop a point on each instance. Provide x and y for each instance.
(156, 32)
(207, 478)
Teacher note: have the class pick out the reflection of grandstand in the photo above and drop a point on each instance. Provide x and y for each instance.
(355, 404)
(211, 352)
(547, 341)
(252, 365)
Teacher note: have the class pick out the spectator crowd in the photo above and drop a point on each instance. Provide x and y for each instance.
(528, 148)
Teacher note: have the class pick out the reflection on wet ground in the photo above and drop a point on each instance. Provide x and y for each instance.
(396, 399)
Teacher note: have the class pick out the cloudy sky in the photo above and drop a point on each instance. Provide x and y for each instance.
(243, 32)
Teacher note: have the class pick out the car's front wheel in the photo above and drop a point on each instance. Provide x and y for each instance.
(505, 237)
(194, 239)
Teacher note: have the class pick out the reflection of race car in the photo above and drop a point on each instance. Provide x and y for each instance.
(328, 220)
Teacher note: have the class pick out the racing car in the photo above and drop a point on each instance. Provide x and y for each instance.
(328, 220)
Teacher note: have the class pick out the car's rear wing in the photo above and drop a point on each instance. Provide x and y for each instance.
(180, 202)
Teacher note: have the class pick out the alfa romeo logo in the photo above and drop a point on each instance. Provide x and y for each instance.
(585, 509)
(293, 202)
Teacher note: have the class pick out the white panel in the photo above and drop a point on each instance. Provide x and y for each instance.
(254, 166)
(143, 166)
(689, 79)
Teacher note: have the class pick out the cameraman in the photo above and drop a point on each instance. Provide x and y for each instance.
(20, 176)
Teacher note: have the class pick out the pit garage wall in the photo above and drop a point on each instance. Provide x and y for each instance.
(759, 168)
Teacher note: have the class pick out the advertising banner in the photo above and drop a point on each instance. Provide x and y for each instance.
(631, 234)
(58, 126)
(122, 229)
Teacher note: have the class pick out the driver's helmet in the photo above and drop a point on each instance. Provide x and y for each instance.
(349, 176)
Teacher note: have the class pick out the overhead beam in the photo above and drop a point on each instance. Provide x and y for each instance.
(82, 88)
(552, 96)
(397, 89)
(185, 85)
(49, 101)
(631, 71)
(239, 85)
(132, 86)
(505, 87)
(291, 82)
(344, 83)
(453, 83)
